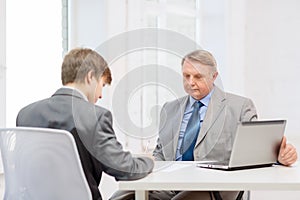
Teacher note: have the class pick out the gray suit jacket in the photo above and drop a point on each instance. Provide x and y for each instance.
(217, 132)
(91, 127)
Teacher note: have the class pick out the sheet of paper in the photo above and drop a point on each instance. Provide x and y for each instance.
(175, 165)
(171, 167)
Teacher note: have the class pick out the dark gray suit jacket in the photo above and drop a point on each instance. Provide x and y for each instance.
(91, 126)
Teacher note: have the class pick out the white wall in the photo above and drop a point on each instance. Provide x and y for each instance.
(272, 67)
(2, 63)
(235, 44)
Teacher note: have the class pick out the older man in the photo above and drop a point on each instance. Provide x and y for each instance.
(201, 125)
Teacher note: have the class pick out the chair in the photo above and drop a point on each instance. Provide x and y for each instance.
(41, 164)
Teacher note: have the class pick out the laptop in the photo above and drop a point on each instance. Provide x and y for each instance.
(256, 144)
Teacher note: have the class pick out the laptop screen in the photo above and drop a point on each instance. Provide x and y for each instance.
(257, 143)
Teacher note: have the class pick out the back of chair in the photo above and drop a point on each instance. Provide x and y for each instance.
(41, 164)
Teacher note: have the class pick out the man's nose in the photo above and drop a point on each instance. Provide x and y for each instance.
(191, 81)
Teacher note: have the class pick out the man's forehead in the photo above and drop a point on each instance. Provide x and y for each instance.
(194, 63)
(195, 66)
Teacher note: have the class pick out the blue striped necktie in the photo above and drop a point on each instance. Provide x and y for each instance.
(191, 133)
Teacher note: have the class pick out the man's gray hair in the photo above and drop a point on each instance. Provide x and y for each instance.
(202, 56)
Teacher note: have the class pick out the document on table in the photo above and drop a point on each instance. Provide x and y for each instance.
(176, 165)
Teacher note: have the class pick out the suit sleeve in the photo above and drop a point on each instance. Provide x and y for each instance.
(158, 151)
(116, 162)
(248, 112)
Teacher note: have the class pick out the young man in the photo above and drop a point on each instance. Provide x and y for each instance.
(216, 119)
(84, 73)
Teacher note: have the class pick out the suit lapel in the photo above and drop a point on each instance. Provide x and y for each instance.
(216, 105)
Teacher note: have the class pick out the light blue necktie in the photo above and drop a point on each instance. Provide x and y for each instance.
(191, 134)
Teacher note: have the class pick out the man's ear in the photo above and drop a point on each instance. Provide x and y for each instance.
(215, 75)
(89, 77)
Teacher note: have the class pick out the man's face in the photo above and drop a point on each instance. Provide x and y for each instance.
(98, 89)
(198, 79)
(94, 87)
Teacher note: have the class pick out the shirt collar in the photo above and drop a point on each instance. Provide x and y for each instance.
(72, 88)
(204, 100)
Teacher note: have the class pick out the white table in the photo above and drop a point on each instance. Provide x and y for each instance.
(186, 176)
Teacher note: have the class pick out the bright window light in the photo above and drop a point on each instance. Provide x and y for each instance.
(34, 53)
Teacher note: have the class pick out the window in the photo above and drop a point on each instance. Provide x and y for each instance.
(2, 64)
(34, 53)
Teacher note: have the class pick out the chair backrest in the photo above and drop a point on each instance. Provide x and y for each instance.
(41, 163)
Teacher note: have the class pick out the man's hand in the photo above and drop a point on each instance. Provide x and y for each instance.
(287, 153)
